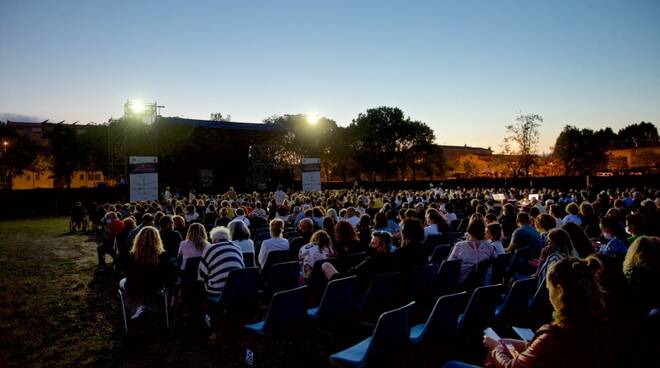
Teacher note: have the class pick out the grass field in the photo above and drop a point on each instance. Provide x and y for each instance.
(56, 310)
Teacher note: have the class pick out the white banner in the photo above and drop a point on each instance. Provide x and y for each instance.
(143, 178)
(311, 174)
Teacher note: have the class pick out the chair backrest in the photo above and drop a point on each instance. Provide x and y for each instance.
(500, 265)
(337, 299)
(433, 241)
(382, 293)
(440, 253)
(241, 286)
(515, 303)
(446, 279)
(454, 237)
(477, 275)
(454, 224)
(420, 283)
(317, 281)
(390, 337)
(282, 276)
(258, 222)
(273, 257)
(462, 226)
(441, 324)
(539, 308)
(480, 310)
(190, 270)
(520, 257)
(248, 259)
(286, 311)
(355, 259)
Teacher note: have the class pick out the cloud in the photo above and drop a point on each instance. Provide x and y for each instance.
(5, 116)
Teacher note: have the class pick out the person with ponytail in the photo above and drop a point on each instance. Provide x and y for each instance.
(578, 335)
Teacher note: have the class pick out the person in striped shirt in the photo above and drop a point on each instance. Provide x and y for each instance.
(218, 259)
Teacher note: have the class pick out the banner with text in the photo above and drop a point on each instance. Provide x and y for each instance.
(143, 178)
(311, 174)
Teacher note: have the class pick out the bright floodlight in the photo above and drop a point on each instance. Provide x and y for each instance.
(137, 106)
(312, 117)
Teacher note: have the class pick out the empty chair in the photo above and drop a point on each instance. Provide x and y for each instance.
(539, 309)
(519, 261)
(385, 347)
(282, 276)
(454, 237)
(337, 300)
(441, 324)
(355, 259)
(462, 226)
(420, 283)
(440, 253)
(286, 312)
(433, 241)
(454, 224)
(480, 310)
(381, 295)
(499, 267)
(273, 257)
(477, 275)
(446, 279)
(514, 308)
(122, 300)
(240, 289)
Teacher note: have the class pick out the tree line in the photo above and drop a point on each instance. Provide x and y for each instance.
(379, 144)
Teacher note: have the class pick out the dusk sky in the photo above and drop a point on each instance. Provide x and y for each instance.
(464, 67)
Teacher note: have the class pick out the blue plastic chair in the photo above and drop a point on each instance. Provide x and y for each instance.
(337, 300)
(240, 289)
(446, 279)
(513, 309)
(282, 276)
(480, 310)
(441, 324)
(381, 295)
(385, 346)
(286, 313)
(500, 265)
(440, 253)
(420, 283)
(274, 257)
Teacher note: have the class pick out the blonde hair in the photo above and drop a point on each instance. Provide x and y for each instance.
(197, 235)
(322, 240)
(643, 252)
(276, 227)
(147, 246)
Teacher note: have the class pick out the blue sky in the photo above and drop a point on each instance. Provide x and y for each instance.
(464, 67)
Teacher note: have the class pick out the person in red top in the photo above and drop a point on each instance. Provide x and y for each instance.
(113, 227)
(578, 336)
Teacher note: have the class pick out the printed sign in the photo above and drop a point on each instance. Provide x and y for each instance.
(311, 174)
(143, 178)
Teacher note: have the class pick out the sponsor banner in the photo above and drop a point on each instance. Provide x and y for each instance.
(311, 174)
(143, 178)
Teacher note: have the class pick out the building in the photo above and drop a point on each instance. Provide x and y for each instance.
(642, 159)
(40, 176)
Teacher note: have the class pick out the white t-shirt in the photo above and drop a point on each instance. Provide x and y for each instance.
(192, 217)
(354, 221)
(499, 248)
(573, 218)
(279, 197)
(270, 245)
(450, 217)
(431, 230)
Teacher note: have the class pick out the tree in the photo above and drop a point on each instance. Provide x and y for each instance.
(18, 154)
(525, 135)
(67, 154)
(638, 135)
(579, 150)
(387, 140)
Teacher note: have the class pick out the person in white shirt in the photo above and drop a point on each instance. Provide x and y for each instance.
(449, 216)
(319, 247)
(240, 215)
(279, 196)
(351, 217)
(276, 241)
(433, 217)
(572, 216)
(240, 236)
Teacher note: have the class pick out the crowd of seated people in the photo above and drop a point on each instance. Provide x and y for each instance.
(595, 255)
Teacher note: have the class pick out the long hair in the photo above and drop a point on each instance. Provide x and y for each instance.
(197, 235)
(322, 240)
(560, 241)
(147, 246)
(644, 252)
(579, 238)
(580, 303)
(344, 231)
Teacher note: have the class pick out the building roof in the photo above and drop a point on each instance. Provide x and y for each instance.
(465, 148)
(227, 125)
